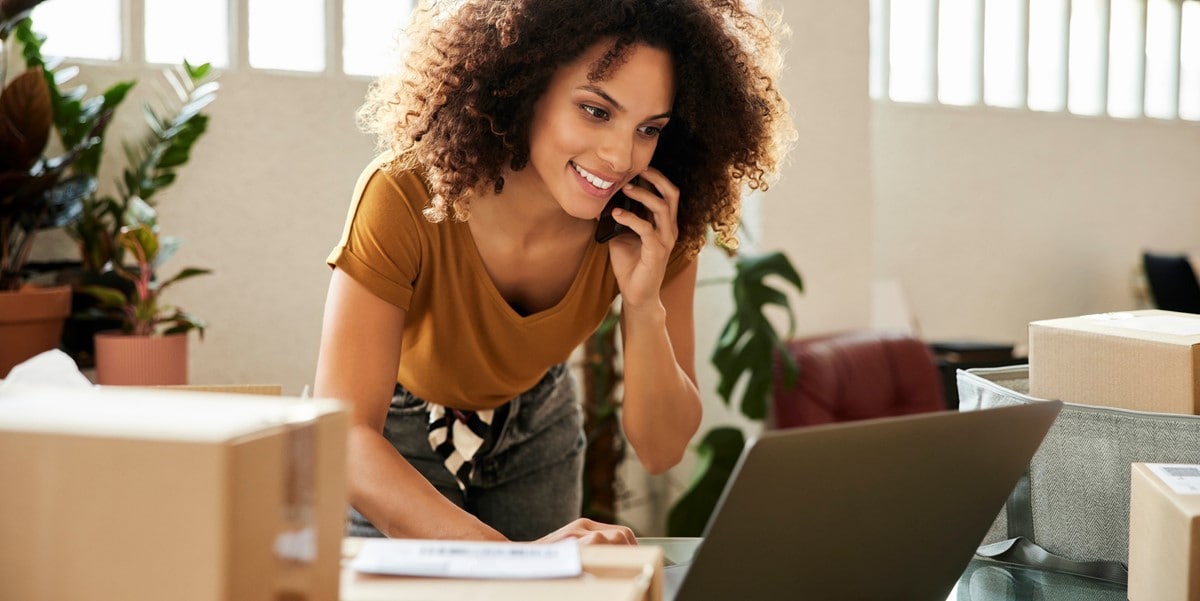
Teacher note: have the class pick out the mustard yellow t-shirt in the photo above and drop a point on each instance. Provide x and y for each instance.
(463, 346)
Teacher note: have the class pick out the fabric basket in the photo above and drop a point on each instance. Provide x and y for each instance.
(1071, 512)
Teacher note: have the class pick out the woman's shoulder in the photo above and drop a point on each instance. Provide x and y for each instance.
(387, 176)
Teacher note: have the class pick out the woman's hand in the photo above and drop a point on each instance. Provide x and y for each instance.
(589, 532)
(639, 262)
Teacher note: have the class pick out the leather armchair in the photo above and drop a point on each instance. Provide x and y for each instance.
(856, 375)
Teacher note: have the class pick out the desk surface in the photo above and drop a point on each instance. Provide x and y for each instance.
(986, 580)
(983, 580)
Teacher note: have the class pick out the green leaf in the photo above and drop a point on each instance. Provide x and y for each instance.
(197, 72)
(139, 212)
(174, 157)
(718, 455)
(184, 275)
(755, 398)
(64, 75)
(163, 180)
(185, 322)
(66, 199)
(115, 95)
(110, 298)
(152, 119)
(140, 237)
(758, 267)
(748, 342)
(167, 246)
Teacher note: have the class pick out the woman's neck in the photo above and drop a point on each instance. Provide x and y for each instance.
(523, 210)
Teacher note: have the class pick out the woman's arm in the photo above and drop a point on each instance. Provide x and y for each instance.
(661, 411)
(360, 349)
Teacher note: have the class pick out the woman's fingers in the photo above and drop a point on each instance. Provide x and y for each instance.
(589, 532)
(667, 191)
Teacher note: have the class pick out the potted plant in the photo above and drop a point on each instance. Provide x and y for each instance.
(745, 350)
(36, 193)
(173, 125)
(151, 347)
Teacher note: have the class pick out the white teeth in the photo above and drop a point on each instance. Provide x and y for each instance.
(599, 183)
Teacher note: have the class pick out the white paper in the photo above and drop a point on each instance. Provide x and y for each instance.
(455, 559)
(51, 368)
(1184, 479)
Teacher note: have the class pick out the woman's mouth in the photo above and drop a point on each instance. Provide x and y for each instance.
(592, 183)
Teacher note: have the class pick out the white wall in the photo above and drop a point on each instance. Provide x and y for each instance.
(261, 203)
(994, 218)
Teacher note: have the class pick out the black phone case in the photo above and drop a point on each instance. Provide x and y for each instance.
(607, 228)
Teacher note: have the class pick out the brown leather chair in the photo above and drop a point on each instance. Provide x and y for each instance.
(856, 375)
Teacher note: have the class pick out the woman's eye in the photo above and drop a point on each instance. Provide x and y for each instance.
(594, 111)
(650, 130)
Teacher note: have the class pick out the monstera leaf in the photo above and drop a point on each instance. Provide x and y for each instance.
(749, 342)
(717, 455)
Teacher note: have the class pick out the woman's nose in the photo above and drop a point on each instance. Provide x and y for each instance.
(616, 149)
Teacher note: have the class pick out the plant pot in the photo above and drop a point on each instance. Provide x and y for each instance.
(123, 359)
(31, 322)
(79, 333)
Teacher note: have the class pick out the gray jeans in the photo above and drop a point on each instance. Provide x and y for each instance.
(527, 479)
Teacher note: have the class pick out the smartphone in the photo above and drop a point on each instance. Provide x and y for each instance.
(607, 228)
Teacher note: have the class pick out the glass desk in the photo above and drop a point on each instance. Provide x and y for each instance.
(983, 580)
(986, 580)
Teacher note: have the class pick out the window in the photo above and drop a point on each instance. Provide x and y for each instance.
(1189, 57)
(1126, 38)
(1162, 58)
(911, 52)
(199, 34)
(958, 53)
(1047, 60)
(1086, 72)
(80, 28)
(1004, 53)
(1121, 58)
(285, 35)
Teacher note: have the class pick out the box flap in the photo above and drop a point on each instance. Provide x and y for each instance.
(151, 414)
(1167, 327)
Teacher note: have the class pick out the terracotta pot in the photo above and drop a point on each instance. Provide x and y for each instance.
(123, 359)
(31, 322)
(79, 333)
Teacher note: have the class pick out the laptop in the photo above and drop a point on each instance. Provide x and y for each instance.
(883, 509)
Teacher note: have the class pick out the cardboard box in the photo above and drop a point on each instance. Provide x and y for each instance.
(610, 573)
(1140, 360)
(131, 494)
(1164, 533)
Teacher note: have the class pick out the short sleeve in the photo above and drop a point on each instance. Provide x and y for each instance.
(676, 263)
(381, 242)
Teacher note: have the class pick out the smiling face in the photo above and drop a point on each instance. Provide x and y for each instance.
(588, 138)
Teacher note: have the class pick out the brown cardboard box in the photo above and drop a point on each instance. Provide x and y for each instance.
(610, 573)
(1141, 360)
(1164, 539)
(131, 494)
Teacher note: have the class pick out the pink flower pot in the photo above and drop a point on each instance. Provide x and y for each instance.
(123, 359)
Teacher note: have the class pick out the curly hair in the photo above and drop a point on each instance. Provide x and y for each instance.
(461, 107)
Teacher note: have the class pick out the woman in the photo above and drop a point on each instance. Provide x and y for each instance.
(469, 269)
